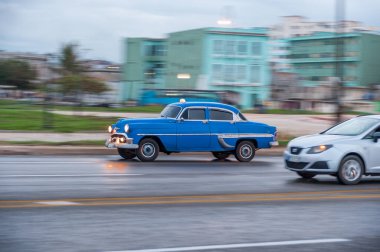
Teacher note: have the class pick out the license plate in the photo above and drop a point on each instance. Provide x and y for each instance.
(294, 158)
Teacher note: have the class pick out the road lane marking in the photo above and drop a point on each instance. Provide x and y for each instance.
(240, 245)
(206, 199)
(48, 162)
(71, 175)
(57, 203)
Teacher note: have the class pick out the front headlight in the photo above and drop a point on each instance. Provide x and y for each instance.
(126, 128)
(318, 149)
(109, 129)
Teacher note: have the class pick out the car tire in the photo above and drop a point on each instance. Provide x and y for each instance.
(221, 154)
(126, 153)
(351, 170)
(245, 151)
(306, 175)
(148, 150)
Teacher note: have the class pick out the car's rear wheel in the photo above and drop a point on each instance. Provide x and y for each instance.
(221, 155)
(126, 153)
(245, 151)
(306, 175)
(350, 170)
(148, 150)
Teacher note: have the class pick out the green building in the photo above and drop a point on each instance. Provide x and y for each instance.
(217, 59)
(314, 58)
(144, 66)
(221, 59)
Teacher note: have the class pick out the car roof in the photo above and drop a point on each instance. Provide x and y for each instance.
(206, 104)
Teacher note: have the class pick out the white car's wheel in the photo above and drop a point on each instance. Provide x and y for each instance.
(148, 150)
(350, 170)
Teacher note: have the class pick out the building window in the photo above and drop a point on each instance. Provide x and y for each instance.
(218, 47)
(155, 50)
(242, 47)
(217, 72)
(230, 47)
(256, 48)
(241, 73)
(255, 74)
(229, 73)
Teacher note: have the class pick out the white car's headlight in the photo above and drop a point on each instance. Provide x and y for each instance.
(126, 128)
(318, 149)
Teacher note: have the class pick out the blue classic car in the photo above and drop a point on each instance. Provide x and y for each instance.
(191, 127)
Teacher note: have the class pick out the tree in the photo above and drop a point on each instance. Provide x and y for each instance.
(69, 59)
(73, 80)
(17, 73)
(69, 84)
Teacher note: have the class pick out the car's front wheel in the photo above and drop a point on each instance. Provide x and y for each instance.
(148, 150)
(306, 175)
(221, 155)
(245, 151)
(126, 154)
(350, 170)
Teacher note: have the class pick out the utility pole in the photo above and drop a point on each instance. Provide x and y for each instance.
(47, 117)
(339, 55)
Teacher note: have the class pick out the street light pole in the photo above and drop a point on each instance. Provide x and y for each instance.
(339, 55)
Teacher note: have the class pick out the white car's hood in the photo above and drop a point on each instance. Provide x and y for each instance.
(317, 139)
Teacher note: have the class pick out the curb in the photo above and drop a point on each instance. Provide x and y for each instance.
(91, 150)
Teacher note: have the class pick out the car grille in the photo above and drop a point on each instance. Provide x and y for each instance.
(320, 165)
(296, 165)
(295, 150)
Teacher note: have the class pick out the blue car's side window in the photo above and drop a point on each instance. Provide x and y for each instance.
(194, 114)
(221, 115)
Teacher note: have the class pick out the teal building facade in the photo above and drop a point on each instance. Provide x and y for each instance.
(144, 66)
(231, 60)
(221, 59)
(314, 58)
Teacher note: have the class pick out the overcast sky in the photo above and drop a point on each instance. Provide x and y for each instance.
(99, 26)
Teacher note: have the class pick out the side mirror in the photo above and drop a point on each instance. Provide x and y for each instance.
(376, 136)
(181, 119)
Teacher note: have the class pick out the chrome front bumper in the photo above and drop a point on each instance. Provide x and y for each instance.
(120, 140)
(275, 143)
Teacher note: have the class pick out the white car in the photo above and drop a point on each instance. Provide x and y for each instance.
(348, 151)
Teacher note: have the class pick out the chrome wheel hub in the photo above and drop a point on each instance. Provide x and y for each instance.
(246, 151)
(148, 150)
(351, 170)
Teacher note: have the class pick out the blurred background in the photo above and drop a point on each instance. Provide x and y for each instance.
(59, 59)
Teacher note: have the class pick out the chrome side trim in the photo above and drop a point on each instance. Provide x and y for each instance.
(229, 135)
(238, 135)
(223, 143)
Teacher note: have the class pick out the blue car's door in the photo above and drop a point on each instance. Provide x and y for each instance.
(224, 132)
(193, 130)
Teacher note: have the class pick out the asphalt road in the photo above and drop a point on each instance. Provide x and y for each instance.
(180, 203)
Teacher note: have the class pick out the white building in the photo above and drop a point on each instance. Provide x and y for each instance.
(294, 26)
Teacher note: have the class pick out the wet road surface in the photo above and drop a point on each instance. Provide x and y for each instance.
(180, 203)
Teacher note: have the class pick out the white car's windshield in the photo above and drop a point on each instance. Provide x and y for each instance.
(352, 127)
(170, 111)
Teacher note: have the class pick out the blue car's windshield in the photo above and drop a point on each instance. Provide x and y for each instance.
(170, 111)
(352, 127)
